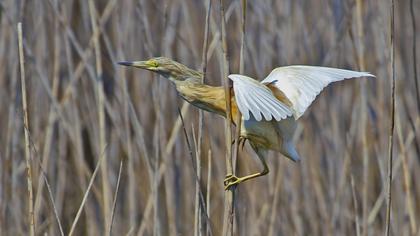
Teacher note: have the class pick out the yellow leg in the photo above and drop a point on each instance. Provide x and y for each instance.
(232, 180)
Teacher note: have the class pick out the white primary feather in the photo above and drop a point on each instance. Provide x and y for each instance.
(255, 98)
(301, 84)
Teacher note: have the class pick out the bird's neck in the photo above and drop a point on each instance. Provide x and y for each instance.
(205, 97)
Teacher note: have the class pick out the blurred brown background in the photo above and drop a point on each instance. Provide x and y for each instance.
(337, 189)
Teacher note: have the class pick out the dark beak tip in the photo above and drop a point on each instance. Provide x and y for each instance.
(125, 63)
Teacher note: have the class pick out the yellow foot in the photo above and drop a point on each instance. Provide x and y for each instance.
(230, 181)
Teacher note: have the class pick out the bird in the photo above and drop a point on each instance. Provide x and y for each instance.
(270, 108)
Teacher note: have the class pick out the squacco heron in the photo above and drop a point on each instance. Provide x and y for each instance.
(269, 108)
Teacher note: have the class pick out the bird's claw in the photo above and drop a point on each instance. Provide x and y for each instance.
(242, 141)
(230, 181)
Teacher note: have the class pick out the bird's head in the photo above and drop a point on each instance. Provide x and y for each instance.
(168, 68)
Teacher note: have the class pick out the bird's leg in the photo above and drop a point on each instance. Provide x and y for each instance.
(232, 180)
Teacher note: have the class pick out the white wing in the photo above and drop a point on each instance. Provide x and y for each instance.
(252, 96)
(301, 84)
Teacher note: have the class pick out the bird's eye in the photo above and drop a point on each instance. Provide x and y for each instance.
(154, 64)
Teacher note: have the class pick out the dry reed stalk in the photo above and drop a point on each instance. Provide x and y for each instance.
(7, 157)
(373, 214)
(238, 118)
(81, 66)
(78, 48)
(356, 205)
(114, 203)
(44, 177)
(82, 204)
(75, 135)
(101, 115)
(132, 202)
(229, 210)
(31, 216)
(391, 127)
(414, 51)
(198, 223)
(273, 216)
(363, 113)
(61, 180)
(197, 211)
(169, 178)
(345, 167)
(209, 180)
(163, 165)
(44, 81)
(157, 208)
(195, 171)
(407, 180)
(52, 118)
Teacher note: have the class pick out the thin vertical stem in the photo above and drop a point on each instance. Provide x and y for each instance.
(52, 118)
(241, 57)
(114, 203)
(197, 220)
(229, 194)
(356, 206)
(101, 113)
(363, 108)
(241, 71)
(407, 179)
(414, 50)
(391, 128)
(208, 188)
(191, 153)
(26, 130)
(92, 178)
(132, 201)
(200, 117)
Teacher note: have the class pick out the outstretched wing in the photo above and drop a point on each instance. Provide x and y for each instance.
(301, 84)
(255, 98)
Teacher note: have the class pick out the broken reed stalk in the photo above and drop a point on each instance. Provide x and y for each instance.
(26, 130)
(391, 128)
(101, 113)
(229, 193)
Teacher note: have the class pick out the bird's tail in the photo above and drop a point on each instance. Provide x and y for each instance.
(289, 151)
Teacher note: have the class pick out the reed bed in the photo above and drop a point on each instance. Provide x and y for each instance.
(107, 147)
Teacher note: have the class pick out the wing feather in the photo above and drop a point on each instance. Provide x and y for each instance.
(301, 84)
(254, 98)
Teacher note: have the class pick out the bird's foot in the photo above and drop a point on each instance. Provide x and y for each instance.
(231, 180)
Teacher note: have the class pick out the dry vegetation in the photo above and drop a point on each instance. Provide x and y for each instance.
(130, 127)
